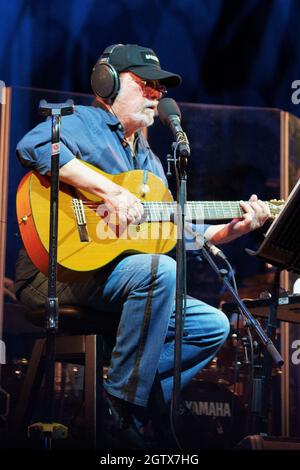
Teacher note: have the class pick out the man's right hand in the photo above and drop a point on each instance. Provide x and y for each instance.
(118, 201)
(124, 205)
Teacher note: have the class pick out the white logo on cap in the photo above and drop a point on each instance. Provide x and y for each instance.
(151, 57)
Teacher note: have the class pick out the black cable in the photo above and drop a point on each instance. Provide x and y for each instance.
(242, 315)
(250, 363)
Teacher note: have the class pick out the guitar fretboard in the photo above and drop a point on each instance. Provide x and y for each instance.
(195, 210)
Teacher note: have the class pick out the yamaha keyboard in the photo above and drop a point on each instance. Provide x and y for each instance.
(288, 308)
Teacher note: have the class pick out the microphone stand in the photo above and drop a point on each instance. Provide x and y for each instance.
(206, 246)
(261, 408)
(180, 163)
(266, 342)
(260, 384)
(47, 429)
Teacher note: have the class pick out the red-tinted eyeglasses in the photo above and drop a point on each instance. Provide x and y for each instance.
(150, 86)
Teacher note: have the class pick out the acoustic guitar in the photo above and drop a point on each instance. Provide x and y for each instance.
(89, 237)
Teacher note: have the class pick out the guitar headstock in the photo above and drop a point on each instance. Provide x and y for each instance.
(275, 206)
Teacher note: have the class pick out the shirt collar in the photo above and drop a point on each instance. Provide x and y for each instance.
(110, 119)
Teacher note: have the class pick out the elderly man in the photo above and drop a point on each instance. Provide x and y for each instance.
(138, 289)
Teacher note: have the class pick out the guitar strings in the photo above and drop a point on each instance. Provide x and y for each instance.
(157, 211)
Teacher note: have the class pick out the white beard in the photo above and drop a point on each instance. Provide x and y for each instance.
(144, 118)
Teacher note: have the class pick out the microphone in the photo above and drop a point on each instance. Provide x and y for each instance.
(170, 116)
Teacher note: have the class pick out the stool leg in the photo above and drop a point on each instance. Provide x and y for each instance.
(30, 388)
(93, 374)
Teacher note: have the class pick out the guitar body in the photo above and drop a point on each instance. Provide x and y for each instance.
(104, 239)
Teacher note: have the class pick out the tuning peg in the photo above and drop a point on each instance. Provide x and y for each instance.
(277, 202)
(275, 206)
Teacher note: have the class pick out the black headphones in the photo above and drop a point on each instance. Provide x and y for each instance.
(105, 79)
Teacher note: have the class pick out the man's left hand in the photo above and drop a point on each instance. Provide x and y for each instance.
(256, 212)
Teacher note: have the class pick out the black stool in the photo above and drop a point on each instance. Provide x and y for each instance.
(79, 340)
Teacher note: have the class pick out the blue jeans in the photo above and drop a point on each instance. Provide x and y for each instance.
(139, 292)
(143, 286)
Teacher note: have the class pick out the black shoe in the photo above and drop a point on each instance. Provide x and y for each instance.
(129, 426)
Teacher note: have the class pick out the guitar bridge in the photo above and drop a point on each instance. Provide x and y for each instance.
(78, 210)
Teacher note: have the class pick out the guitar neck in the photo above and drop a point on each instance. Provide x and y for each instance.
(195, 211)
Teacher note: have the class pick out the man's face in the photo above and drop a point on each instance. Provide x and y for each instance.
(137, 100)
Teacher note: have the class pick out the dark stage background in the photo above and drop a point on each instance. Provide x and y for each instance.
(235, 53)
(228, 52)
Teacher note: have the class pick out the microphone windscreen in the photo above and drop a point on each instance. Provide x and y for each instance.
(167, 107)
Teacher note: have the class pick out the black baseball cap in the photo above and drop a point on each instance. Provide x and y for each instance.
(142, 61)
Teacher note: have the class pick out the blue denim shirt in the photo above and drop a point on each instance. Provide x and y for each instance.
(93, 135)
(97, 137)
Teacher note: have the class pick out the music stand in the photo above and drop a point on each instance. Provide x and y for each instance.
(281, 246)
